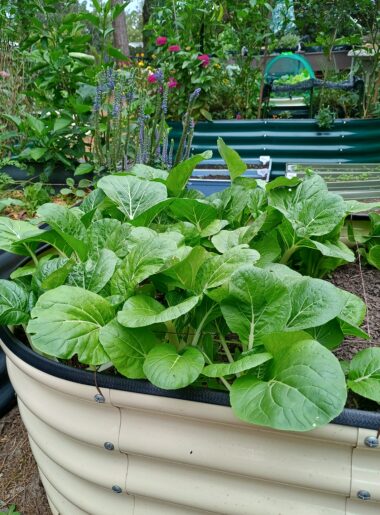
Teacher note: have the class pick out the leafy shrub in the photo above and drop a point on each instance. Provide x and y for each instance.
(325, 118)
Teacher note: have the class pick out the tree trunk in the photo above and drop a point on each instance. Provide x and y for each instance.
(120, 34)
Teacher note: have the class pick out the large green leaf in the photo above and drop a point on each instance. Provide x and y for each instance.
(14, 303)
(218, 269)
(314, 302)
(127, 348)
(110, 234)
(141, 310)
(147, 217)
(184, 274)
(198, 212)
(13, 232)
(61, 123)
(52, 238)
(180, 174)
(241, 365)
(352, 315)
(167, 369)
(364, 374)
(373, 256)
(226, 240)
(67, 320)
(51, 273)
(304, 388)
(95, 273)
(35, 124)
(147, 172)
(354, 206)
(336, 249)
(268, 248)
(258, 304)
(235, 164)
(146, 258)
(65, 222)
(132, 195)
(330, 335)
(310, 208)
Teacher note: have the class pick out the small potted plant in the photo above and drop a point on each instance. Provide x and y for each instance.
(152, 310)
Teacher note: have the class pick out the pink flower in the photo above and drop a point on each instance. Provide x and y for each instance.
(205, 60)
(4, 74)
(161, 40)
(174, 48)
(172, 83)
(152, 78)
(239, 116)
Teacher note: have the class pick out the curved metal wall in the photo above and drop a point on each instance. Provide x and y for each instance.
(349, 141)
(174, 457)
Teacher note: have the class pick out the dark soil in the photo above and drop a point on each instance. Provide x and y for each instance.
(366, 284)
(19, 482)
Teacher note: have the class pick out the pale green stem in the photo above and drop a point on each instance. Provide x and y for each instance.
(288, 254)
(198, 332)
(172, 333)
(225, 346)
(226, 383)
(32, 254)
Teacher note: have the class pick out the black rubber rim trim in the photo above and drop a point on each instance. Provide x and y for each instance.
(349, 417)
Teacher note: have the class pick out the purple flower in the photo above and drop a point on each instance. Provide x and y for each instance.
(164, 105)
(195, 94)
(159, 75)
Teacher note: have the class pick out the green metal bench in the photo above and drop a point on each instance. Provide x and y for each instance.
(358, 181)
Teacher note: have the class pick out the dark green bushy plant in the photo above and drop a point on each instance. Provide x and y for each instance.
(325, 118)
(182, 289)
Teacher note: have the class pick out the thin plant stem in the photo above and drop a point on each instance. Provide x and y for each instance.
(226, 383)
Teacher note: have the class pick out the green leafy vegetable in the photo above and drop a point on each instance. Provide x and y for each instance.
(167, 369)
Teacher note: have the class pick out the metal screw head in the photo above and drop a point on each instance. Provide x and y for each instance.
(364, 495)
(116, 489)
(371, 441)
(109, 446)
(99, 398)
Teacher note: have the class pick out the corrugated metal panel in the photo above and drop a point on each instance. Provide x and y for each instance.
(296, 141)
(180, 457)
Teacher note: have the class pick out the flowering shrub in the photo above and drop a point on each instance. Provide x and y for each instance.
(187, 69)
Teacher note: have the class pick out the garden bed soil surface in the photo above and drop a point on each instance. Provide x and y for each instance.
(19, 481)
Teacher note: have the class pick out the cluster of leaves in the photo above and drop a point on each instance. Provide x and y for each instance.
(369, 241)
(166, 284)
(189, 73)
(45, 142)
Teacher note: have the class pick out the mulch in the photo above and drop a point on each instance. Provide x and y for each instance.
(19, 481)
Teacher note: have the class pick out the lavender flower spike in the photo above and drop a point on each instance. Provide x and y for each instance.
(159, 75)
(195, 94)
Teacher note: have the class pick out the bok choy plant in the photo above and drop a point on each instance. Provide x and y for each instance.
(167, 285)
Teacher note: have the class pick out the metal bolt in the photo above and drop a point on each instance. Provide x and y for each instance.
(371, 441)
(116, 489)
(364, 495)
(99, 398)
(109, 446)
